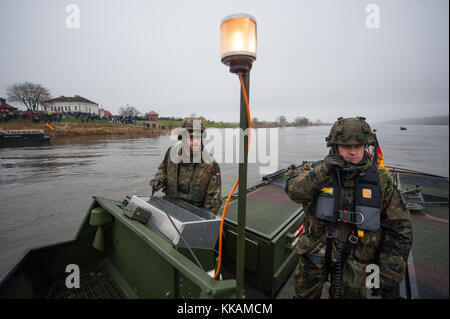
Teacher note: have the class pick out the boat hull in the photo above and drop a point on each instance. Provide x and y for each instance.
(20, 140)
(136, 261)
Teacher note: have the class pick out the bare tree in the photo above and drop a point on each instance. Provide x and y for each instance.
(129, 111)
(301, 121)
(30, 94)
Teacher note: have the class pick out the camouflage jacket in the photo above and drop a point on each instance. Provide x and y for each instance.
(388, 247)
(197, 183)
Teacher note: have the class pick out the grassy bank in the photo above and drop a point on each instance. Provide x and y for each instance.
(209, 124)
(69, 128)
(206, 124)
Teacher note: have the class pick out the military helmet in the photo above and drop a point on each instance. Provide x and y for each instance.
(188, 124)
(351, 131)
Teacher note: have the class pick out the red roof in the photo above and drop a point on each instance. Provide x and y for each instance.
(107, 113)
(4, 105)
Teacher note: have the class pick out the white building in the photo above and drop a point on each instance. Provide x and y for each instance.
(70, 104)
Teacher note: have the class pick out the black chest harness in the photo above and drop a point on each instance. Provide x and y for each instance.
(364, 217)
(367, 197)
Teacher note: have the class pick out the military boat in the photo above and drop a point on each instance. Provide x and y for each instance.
(23, 137)
(144, 247)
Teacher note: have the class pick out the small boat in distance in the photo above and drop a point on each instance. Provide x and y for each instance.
(22, 137)
(402, 128)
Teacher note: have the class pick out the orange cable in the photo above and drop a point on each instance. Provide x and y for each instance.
(244, 93)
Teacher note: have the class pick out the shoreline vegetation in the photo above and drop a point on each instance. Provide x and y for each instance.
(70, 126)
(93, 128)
(210, 124)
(73, 128)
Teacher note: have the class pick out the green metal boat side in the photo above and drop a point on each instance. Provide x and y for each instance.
(129, 241)
(272, 219)
(84, 227)
(38, 268)
(135, 262)
(285, 254)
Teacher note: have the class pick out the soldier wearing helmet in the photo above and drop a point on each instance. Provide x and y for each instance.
(189, 172)
(355, 217)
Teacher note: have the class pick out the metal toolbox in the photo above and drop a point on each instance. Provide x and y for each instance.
(180, 222)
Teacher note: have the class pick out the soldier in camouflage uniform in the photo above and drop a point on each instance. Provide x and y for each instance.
(197, 182)
(354, 216)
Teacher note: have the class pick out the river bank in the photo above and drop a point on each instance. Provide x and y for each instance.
(211, 124)
(67, 129)
(72, 128)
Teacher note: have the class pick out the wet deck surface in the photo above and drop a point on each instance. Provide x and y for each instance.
(430, 248)
(430, 251)
(261, 203)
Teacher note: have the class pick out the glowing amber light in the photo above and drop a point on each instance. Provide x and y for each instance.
(238, 36)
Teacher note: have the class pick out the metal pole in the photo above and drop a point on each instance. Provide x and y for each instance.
(242, 199)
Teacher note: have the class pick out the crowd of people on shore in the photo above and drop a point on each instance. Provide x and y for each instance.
(37, 116)
(51, 117)
(126, 120)
(83, 117)
(5, 116)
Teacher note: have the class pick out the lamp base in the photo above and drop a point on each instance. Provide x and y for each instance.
(239, 64)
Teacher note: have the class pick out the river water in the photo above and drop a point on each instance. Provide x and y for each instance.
(46, 191)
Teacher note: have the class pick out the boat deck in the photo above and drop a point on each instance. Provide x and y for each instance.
(430, 232)
(95, 283)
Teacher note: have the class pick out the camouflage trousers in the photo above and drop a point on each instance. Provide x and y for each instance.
(311, 276)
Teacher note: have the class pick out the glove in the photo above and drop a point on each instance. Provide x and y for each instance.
(156, 185)
(333, 161)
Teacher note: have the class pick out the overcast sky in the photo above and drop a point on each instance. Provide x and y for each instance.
(315, 58)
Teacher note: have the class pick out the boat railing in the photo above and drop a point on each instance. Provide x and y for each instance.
(25, 131)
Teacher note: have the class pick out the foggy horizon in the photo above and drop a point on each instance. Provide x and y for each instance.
(316, 59)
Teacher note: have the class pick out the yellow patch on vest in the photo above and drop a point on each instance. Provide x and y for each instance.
(367, 193)
(327, 190)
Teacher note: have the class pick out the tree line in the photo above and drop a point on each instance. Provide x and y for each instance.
(32, 94)
(282, 121)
